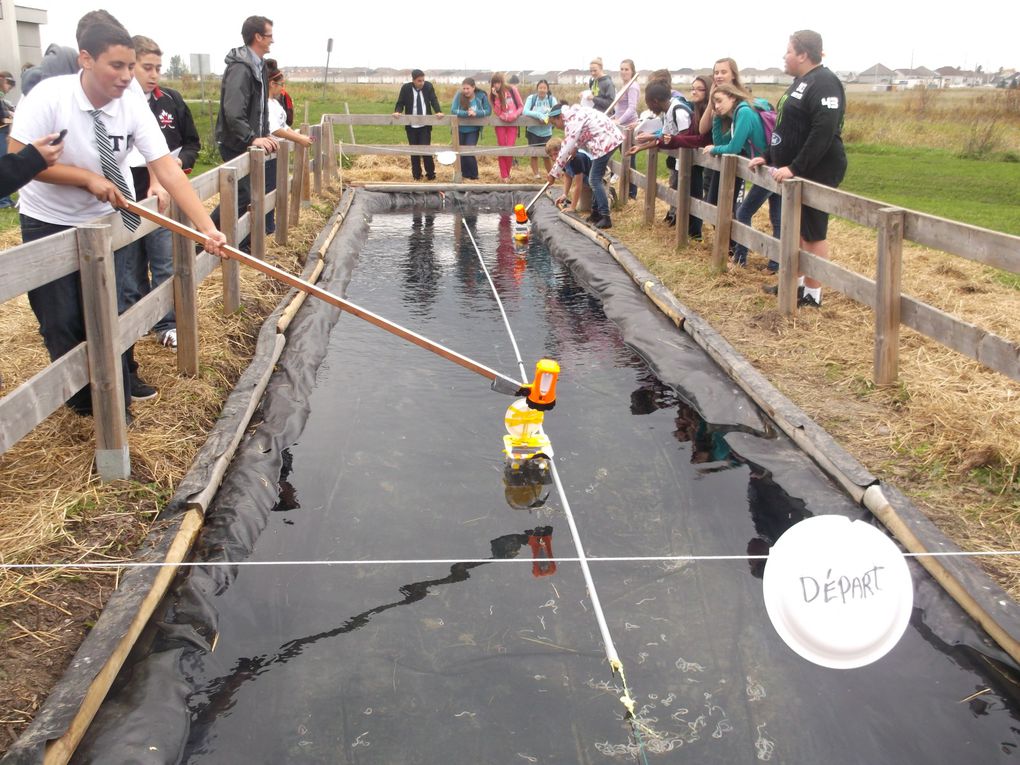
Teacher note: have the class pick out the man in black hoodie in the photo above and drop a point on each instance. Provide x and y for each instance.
(243, 120)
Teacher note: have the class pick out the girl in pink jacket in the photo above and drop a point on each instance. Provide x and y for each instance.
(507, 105)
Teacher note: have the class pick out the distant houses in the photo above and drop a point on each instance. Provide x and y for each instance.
(879, 76)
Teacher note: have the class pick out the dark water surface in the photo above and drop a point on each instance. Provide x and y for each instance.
(492, 663)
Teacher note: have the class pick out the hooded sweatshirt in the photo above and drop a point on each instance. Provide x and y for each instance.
(244, 113)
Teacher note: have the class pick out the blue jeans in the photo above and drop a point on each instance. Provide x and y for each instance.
(596, 179)
(157, 258)
(58, 307)
(754, 198)
(469, 165)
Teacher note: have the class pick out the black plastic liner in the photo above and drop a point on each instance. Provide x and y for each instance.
(146, 717)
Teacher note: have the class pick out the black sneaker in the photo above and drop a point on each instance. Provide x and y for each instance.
(594, 217)
(807, 301)
(604, 223)
(670, 219)
(774, 290)
(140, 390)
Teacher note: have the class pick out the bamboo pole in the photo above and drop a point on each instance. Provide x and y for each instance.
(500, 383)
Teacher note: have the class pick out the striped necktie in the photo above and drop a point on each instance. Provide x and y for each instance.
(112, 171)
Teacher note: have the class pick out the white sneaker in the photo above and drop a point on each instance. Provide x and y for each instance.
(614, 178)
(168, 339)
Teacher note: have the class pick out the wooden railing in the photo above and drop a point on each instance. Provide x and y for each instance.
(881, 292)
(451, 121)
(89, 249)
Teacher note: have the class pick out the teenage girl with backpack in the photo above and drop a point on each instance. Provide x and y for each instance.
(747, 137)
(507, 106)
(537, 106)
(692, 138)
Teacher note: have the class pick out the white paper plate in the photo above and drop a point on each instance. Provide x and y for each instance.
(838, 592)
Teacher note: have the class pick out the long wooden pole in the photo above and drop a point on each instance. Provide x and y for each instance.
(500, 383)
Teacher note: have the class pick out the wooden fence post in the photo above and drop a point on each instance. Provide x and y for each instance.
(623, 192)
(789, 245)
(102, 330)
(306, 177)
(458, 173)
(257, 218)
(327, 137)
(724, 212)
(282, 189)
(887, 295)
(297, 180)
(651, 180)
(186, 297)
(228, 225)
(684, 166)
(316, 132)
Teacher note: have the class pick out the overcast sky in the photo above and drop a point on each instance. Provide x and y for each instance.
(529, 35)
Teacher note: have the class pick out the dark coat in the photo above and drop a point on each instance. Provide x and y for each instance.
(244, 110)
(18, 169)
(405, 101)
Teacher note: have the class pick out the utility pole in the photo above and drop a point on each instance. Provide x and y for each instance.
(325, 74)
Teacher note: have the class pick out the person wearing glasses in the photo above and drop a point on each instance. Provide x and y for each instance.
(243, 120)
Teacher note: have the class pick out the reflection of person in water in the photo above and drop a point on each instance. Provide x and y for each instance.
(421, 273)
(288, 494)
(773, 511)
(508, 275)
(469, 271)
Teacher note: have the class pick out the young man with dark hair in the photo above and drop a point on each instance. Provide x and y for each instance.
(178, 128)
(91, 175)
(243, 120)
(807, 141)
(419, 97)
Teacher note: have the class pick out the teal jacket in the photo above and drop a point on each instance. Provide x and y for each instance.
(539, 109)
(480, 103)
(747, 136)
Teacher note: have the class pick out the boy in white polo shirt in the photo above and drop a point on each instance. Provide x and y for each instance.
(78, 189)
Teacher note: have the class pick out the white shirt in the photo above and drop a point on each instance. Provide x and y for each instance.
(277, 116)
(419, 103)
(59, 102)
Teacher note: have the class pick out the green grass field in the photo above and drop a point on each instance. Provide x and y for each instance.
(901, 152)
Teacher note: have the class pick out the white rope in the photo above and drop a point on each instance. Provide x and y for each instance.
(506, 321)
(607, 638)
(454, 561)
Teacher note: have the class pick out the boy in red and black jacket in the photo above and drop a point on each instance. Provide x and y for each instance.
(178, 127)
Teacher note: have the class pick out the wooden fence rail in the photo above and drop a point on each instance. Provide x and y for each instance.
(89, 250)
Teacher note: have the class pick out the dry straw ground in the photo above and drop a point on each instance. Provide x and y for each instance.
(948, 434)
(52, 508)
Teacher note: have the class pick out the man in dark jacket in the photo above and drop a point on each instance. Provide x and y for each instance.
(419, 97)
(243, 120)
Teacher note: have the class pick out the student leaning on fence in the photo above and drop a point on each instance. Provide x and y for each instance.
(808, 142)
(91, 177)
(470, 102)
(178, 128)
(679, 117)
(537, 106)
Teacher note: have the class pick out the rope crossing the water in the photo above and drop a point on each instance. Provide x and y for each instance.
(607, 639)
